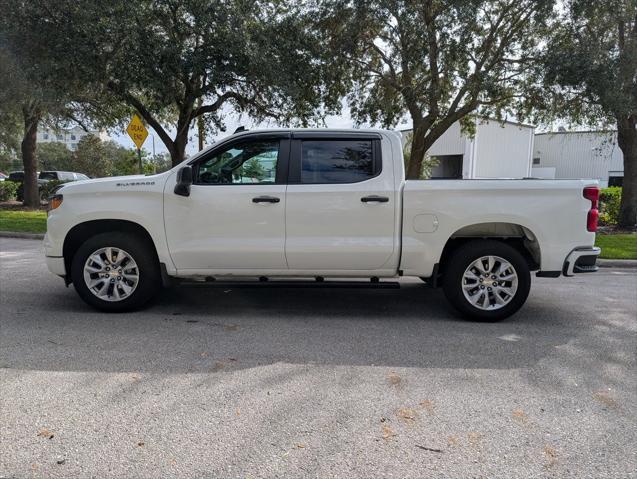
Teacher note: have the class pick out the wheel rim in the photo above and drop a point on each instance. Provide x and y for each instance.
(490, 283)
(111, 274)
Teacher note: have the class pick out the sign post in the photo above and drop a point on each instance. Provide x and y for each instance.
(138, 133)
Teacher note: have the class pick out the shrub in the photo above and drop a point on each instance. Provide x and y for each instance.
(50, 188)
(609, 200)
(8, 190)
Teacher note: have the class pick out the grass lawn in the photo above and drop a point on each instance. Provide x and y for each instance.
(618, 246)
(23, 221)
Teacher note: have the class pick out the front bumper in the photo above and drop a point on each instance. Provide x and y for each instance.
(56, 265)
(581, 260)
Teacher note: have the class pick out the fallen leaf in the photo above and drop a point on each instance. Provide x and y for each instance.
(46, 434)
(61, 461)
(388, 433)
(300, 446)
(452, 441)
(605, 398)
(140, 444)
(428, 405)
(407, 415)
(474, 437)
(551, 455)
(394, 379)
(204, 354)
(217, 366)
(519, 415)
(231, 327)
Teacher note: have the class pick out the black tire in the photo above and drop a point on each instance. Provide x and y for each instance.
(143, 254)
(463, 257)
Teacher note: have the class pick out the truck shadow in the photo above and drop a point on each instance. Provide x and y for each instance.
(220, 330)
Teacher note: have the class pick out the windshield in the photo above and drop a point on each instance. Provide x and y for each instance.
(48, 175)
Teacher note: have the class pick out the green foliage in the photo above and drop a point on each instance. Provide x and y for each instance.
(23, 221)
(8, 190)
(589, 78)
(617, 246)
(48, 188)
(174, 62)
(610, 199)
(436, 61)
(54, 156)
(590, 62)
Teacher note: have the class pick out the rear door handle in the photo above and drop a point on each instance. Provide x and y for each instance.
(374, 198)
(265, 199)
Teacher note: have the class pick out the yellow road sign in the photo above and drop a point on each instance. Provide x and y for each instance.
(137, 131)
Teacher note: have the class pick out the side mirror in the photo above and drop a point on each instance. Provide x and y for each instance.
(184, 180)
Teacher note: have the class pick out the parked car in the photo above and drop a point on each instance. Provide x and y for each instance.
(317, 204)
(62, 176)
(3, 176)
(44, 177)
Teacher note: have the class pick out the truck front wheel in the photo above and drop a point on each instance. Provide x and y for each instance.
(487, 280)
(116, 272)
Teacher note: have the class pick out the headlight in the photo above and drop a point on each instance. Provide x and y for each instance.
(54, 202)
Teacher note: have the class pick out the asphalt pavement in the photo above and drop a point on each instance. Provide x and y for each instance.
(315, 383)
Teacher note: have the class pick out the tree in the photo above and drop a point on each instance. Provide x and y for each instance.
(92, 157)
(54, 156)
(435, 60)
(177, 61)
(33, 90)
(591, 75)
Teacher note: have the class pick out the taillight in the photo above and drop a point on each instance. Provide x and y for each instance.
(592, 193)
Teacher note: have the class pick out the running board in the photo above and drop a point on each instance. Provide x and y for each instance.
(287, 284)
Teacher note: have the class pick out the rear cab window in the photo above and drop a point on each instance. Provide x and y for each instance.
(335, 161)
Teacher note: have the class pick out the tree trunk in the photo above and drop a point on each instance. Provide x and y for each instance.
(31, 195)
(627, 141)
(417, 155)
(178, 150)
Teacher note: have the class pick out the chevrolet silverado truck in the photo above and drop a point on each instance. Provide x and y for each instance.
(304, 205)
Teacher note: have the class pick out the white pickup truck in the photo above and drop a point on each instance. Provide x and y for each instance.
(314, 205)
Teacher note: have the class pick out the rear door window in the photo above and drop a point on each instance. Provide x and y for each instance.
(337, 161)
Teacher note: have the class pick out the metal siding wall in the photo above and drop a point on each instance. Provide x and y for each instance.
(579, 155)
(450, 143)
(502, 151)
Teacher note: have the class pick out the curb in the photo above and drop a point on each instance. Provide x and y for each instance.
(617, 263)
(18, 234)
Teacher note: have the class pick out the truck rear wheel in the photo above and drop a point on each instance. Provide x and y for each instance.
(487, 280)
(116, 272)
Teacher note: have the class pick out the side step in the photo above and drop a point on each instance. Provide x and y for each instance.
(273, 283)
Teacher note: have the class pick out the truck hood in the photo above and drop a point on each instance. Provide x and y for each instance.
(114, 183)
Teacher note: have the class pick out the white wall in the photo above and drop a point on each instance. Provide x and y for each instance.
(496, 151)
(502, 150)
(580, 154)
(452, 142)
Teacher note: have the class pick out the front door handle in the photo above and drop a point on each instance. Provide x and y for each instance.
(374, 198)
(265, 199)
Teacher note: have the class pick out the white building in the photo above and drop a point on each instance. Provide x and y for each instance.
(579, 154)
(69, 136)
(497, 150)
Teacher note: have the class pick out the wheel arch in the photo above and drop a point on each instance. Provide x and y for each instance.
(516, 235)
(83, 231)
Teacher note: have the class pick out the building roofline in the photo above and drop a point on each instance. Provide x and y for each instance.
(489, 119)
(574, 132)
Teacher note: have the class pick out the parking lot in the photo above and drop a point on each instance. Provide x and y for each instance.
(252, 383)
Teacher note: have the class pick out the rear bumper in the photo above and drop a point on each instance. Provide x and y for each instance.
(581, 260)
